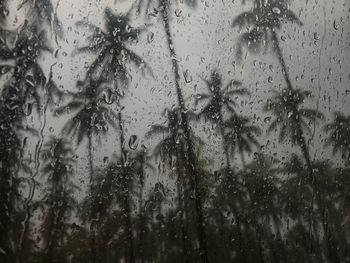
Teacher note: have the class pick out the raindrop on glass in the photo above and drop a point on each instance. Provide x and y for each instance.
(178, 12)
(187, 76)
(27, 109)
(133, 142)
(108, 96)
(150, 37)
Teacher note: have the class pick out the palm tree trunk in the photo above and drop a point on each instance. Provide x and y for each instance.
(241, 255)
(141, 216)
(184, 236)
(281, 60)
(242, 252)
(48, 255)
(6, 210)
(331, 251)
(243, 160)
(182, 206)
(256, 225)
(283, 253)
(9, 115)
(333, 257)
(130, 258)
(225, 145)
(92, 212)
(193, 169)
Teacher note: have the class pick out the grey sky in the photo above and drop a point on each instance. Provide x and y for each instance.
(317, 55)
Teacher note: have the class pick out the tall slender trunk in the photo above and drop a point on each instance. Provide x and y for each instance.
(242, 256)
(48, 255)
(301, 142)
(243, 160)
(6, 210)
(332, 255)
(191, 166)
(92, 212)
(282, 252)
(281, 60)
(261, 259)
(129, 238)
(225, 146)
(331, 250)
(255, 223)
(184, 236)
(19, 74)
(141, 214)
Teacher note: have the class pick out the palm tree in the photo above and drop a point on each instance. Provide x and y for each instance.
(295, 197)
(170, 147)
(111, 47)
(261, 182)
(164, 6)
(125, 168)
(142, 158)
(219, 99)
(113, 52)
(3, 10)
(171, 150)
(293, 120)
(156, 199)
(19, 94)
(92, 118)
(58, 197)
(339, 130)
(22, 90)
(241, 135)
(263, 21)
(43, 11)
(109, 190)
(231, 196)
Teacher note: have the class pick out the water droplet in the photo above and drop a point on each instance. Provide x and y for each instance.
(25, 142)
(133, 142)
(270, 79)
(335, 25)
(316, 36)
(108, 96)
(27, 109)
(187, 76)
(276, 10)
(150, 37)
(178, 12)
(267, 119)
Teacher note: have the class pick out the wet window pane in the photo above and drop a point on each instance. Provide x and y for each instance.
(174, 131)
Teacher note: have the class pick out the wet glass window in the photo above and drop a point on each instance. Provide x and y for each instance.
(145, 131)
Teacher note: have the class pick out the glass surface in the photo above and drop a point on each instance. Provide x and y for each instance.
(174, 131)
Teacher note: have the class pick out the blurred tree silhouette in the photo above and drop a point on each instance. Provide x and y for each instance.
(273, 208)
(58, 201)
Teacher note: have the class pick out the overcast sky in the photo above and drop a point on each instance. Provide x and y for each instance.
(317, 55)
